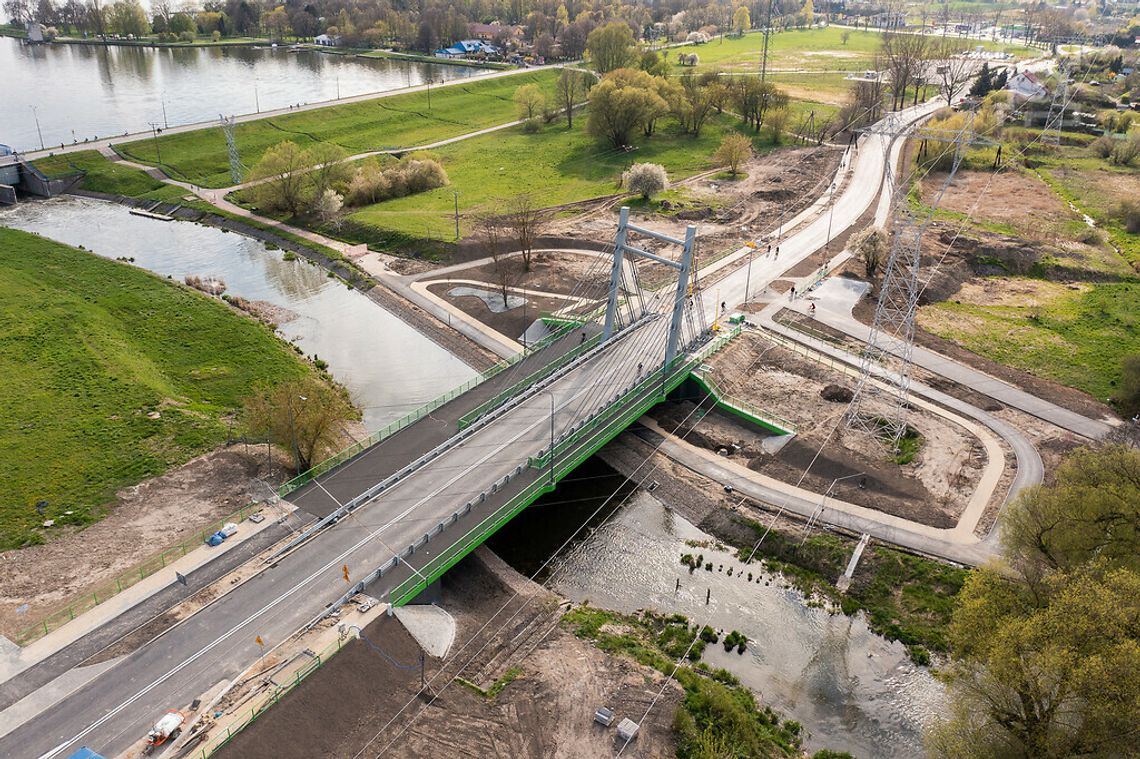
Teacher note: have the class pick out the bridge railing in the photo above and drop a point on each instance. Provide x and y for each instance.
(491, 404)
(766, 419)
(419, 413)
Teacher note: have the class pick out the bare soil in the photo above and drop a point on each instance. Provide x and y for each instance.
(547, 711)
(144, 520)
(511, 323)
(1019, 199)
(933, 489)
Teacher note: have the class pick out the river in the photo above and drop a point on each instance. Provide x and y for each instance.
(851, 689)
(84, 91)
(387, 366)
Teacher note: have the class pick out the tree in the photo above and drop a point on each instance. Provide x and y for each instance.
(128, 17)
(277, 22)
(1129, 395)
(305, 415)
(753, 98)
(808, 12)
(871, 246)
(328, 167)
(328, 207)
(570, 90)
(529, 102)
(735, 149)
(904, 55)
(954, 71)
(694, 100)
(623, 102)
(777, 120)
(741, 20)
(280, 172)
(646, 179)
(491, 233)
(527, 221)
(610, 46)
(984, 82)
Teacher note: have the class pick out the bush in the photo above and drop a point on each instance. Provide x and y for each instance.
(1126, 151)
(646, 179)
(1129, 215)
(372, 184)
(1129, 395)
(1102, 146)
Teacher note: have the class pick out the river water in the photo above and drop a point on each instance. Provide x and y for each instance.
(387, 366)
(851, 689)
(84, 91)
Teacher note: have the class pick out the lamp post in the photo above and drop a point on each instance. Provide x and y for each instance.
(748, 276)
(36, 116)
(456, 215)
(830, 216)
(551, 394)
(162, 99)
(154, 134)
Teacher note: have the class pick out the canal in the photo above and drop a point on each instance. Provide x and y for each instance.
(84, 91)
(387, 366)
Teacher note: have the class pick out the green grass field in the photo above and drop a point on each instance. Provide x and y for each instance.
(556, 166)
(399, 121)
(109, 177)
(1075, 337)
(89, 349)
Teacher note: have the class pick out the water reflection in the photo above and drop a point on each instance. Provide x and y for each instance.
(97, 90)
(388, 367)
(850, 688)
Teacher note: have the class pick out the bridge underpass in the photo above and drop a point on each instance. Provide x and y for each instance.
(432, 514)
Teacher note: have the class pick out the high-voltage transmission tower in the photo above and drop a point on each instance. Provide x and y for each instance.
(1055, 119)
(880, 403)
(237, 170)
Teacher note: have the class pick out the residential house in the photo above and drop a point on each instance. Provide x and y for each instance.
(1025, 86)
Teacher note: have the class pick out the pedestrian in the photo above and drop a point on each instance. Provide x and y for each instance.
(723, 306)
(583, 339)
(639, 365)
(777, 253)
(812, 309)
(792, 293)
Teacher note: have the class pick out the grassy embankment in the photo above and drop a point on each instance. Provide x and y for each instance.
(109, 177)
(717, 710)
(112, 375)
(906, 598)
(1075, 313)
(399, 121)
(556, 165)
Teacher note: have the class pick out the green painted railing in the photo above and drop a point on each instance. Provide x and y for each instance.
(411, 418)
(600, 432)
(279, 690)
(491, 404)
(742, 408)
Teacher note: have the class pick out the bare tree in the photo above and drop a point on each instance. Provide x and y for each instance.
(570, 90)
(492, 233)
(527, 221)
(953, 71)
(904, 55)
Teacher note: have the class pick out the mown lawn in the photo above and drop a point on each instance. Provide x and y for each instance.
(399, 121)
(1076, 337)
(107, 176)
(111, 375)
(555, 166)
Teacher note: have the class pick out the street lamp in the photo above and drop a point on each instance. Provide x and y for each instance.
(551, 394)
(36, 116)
(830, 216)
(154, 134)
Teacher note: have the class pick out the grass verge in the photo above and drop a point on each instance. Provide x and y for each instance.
(113, 375)
(103, 175)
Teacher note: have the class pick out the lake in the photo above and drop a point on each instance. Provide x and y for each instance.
(84, 91)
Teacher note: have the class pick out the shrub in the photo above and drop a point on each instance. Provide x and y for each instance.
(1126, 151)
(646, 179)
(1129, 394)
(1129, 215)
(1102, 146)
(373, 184)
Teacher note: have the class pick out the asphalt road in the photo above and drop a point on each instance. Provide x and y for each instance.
(115, 710)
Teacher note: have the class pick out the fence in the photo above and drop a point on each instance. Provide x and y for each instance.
(740, 407)
(411, 418)
(231, 730)
(148, 567)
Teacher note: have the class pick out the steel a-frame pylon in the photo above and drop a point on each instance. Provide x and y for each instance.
(622, 247)
(879, 405)
(237, 169)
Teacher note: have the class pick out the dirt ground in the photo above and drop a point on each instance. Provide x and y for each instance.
(547, 711)
(772, 189)
(1021, 200)
(933, 489)
(145, 519)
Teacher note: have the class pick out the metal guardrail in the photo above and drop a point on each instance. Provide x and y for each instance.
(767, 419)
(493, 403)
(414, 416)
(146, 568)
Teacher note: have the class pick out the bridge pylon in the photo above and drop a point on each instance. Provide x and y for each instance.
(684, 268)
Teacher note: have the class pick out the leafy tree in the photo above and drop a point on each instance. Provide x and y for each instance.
(610, 46)
(752, 98)
(654, 63)
(281, 176)
(128, 17)
(871, 246)
(741, 20)
(646, 179)
(329, 169)
(304, 415)
(735, 149)
(529, 101)
(181, 23)
(984, 83)
(277, 22)
(808, 12)
(622, 103)
(570, 90)
(844, 36)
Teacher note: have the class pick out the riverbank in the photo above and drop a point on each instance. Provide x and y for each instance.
(113, 375)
